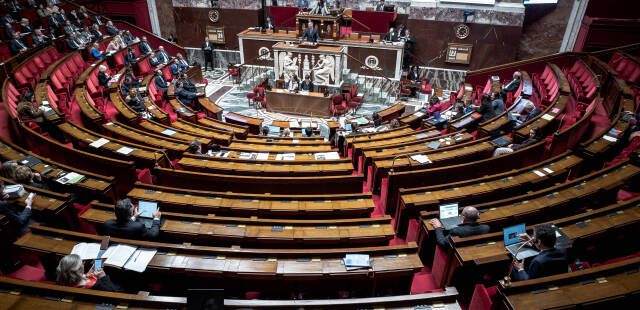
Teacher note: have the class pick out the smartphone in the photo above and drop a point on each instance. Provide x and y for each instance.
(97, 265)
(31, 195)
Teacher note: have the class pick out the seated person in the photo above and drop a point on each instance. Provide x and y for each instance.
(310, 33)
(550, 261)
(380, 6)
(25, 176)
(162, 55)
(533, 138)
(512, 85)
(293, 83)
(188, 85)
(306, 84)
(130, 57)
(103, 76)
(530, 111)
(39, 39)
(459, 109)
(125, 225)
(145, 46)
(390, 36)
(469, 227)
(70, 272)
(74, 43)
(320, 9)
(186, 97)
(497, 103)
(195, 147)
(96, 53)
(264, 130)
(413, 75)
(153, 59)
(96, 33)
(128, 38)
(19, 219)
(486, 108)
(180, 65)
(113, 46)
(28, 112)
(135, 101)
(268, 25)
(434, 105)
(16, 45)
(69, 28)
(308, 132)
(160, 82)
(111, 29)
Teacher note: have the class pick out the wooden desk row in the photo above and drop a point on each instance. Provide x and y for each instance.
(245, 184)
(265, 168)
(254, 124)
(261, 232)
(190, 265)
(492, 187)
(283, 148)
(334, 206)
(358, 148)
(458, 172)
(174, 147)
(611, 286)
(21, 294)
(239, 132)
(346, 142)
(93, 184)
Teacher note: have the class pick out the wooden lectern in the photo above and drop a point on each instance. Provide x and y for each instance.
(328, 26)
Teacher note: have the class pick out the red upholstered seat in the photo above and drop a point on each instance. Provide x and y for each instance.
(338, 105)
(144, 176)
(481, 299)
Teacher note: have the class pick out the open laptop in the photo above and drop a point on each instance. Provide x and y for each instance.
(449, 216)
(512, 242)
(147, 209)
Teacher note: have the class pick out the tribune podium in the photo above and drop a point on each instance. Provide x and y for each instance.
(323, 63)
(328, 26)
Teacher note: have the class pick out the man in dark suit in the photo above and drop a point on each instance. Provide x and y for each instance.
(19, 220)
(307, 84)
(69, 28)
(54, 25)
(25, 27)
(125, 225)
(188, 85)
(268, 24)
(145, 46)
(8, 30)
(153, 60)
(111, 29)
(512, 85)
(130, 57)
(96, 20)
(6, 19)
(468, 227)
(73, 17)
(310, 33)
(187, 97)
(162, 55)
(73, 43)
(39, 38)
(207, 50)
(391, 36)
(160, 82)
(550, 261)
(16, 45)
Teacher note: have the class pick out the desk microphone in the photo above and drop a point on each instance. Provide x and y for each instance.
(506, 281)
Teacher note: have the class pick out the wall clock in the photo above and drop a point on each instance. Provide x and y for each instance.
(214, 16)
(462, 31)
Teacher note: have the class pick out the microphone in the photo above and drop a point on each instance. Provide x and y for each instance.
(506, 280)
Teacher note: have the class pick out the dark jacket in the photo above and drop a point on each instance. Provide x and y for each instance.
(486, 109)
(531, 115)
(160, 83)
(310, 34)
(207, 50)
(547, 263)
(185, 96)
(512, 85)
(306, 85)
(129, 58)
(16, 45)
(390, 37)
(112, 30)
(103, 79)
(145, 47)
(19, 220)
(498, 106)
(40, 40)
(524, 143)
(463, 230)
(131, 230)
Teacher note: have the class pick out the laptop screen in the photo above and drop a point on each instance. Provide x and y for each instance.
(511, 234)
(147, 208)
(449, 210)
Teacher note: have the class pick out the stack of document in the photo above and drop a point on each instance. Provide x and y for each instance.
(327, 156)
(71, 178)
(262, 156)
(244, 155)
(356, 261)
(423, 159)
(128, 257)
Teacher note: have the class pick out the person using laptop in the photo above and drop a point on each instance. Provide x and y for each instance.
(551, 260)
(534, 136)
(469, 227)
(126, 226)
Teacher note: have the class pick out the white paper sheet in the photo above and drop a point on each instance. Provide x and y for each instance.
(98, 143)
(139, 260)
(124, 150)
(262, 156)
(547, 170)
(547, 117)
(120, 255)
(539, 173)
(86, 250)
(423, 159)
(168, 132)
(609, 138)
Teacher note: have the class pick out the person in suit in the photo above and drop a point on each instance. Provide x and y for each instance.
(528, 113)
(413, 74)
(307, 84)
(19, 219)
(111, 29)
(188, 85)
(16, 45)
(550, 261)
(380, 6)
(185, 96)
(103, 76)
(73, 17)
(135, 101)
(268, 24)
(163, 56)
(69, 28)
(512, 85)
(96, 33)
(96, 20)
(310, 33)
(534, 136)
(54, 25)
(207, 50)
(160, 82)
(486, 108)
(8, 30)
(130, 57)
(73, 43)
(293, 83)
(391, 36)
(153, 59)
(70, 272)
(469, 227)
(497, 103)
(25, 27)
(180, 65)
(145, 46)
(6, 19)
(128, 84)
(82, 13)
(39, 39)
(127, 37)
